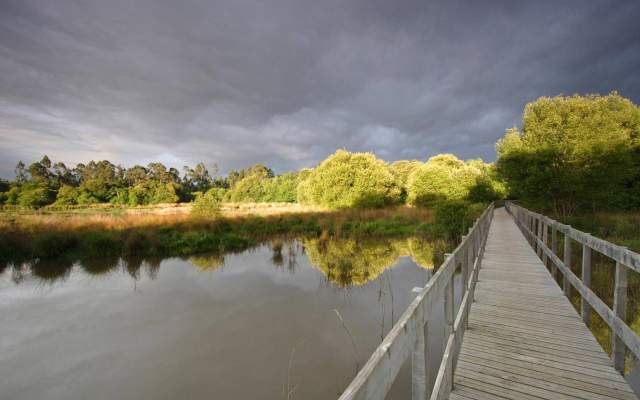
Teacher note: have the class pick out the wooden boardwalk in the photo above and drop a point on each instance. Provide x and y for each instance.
(524, 339)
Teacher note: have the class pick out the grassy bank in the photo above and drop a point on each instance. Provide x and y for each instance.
(25, 237)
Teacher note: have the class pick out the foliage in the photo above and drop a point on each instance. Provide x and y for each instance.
(347, 179)
(67, 196)
(207, 204)
(401, 171)
(33, 194)
(454, 218)
(446, 178)
(574, 153)
(153, 192)
(281, 188)
(249, 189)
(256, 170)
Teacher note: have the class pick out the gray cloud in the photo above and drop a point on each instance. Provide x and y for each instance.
(286, 82)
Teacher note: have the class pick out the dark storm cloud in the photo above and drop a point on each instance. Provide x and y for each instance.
(287, 82)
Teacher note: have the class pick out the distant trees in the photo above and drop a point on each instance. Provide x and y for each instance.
(574, 153)
(42, 183)
(343, 180)
(347, 179)
(258, 184)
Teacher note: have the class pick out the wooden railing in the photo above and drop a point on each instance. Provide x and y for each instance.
(408, 337)
(536, 229)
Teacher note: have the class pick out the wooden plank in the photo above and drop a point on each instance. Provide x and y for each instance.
(561, 371)
(546, 360)
(545, 389)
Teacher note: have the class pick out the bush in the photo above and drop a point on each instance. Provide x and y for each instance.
(248, 189)
(347, 180)
(149, 192)
(401, 171)
(67, 196)
(443, 178)
(281, 189)
(35, 194)
(206, 204)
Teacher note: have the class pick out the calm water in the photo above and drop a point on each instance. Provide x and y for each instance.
(259, 324)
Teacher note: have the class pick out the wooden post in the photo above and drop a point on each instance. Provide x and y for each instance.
(538, 245)
(464, 271)
(448, 309)
(449, 315)
(418, 363)
(554, 250)
(545, 237)
(586, 279)
(566, 260)
(470, 261)
(620, 309)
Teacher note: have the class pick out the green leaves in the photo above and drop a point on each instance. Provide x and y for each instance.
(350, 180)
(578, 152)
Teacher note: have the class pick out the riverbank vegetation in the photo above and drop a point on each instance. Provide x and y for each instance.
(42, 237)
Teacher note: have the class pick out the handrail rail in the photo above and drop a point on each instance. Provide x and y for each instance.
(536, 226)
(407, 337)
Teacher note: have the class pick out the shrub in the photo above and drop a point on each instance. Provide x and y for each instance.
(282, 188)
(35, 194)
(248, 189)
(67, 196)
(350, 180)
(401, 171)
(206, 204)
(442, 178)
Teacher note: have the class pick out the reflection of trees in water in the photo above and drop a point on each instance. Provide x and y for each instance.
(207, 262)
(348, 262)
(59, 269)
(100, 265)
(50, 270)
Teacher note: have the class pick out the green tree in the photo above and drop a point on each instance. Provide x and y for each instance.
(577, 152)
(35, 194)
(443, 178)
(347, 179)
(67, 195)
(401, 171)
(99, 181)
(206, 205)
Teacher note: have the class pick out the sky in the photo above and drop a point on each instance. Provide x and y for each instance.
(287, 82)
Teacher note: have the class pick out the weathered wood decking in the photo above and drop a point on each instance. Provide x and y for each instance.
(524, 339)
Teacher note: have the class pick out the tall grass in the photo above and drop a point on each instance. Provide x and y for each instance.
(30, 236)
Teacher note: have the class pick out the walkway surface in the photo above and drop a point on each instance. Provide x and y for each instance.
(525, 341)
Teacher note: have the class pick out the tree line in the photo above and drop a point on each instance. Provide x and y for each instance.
(572, 153)
(343, 180)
